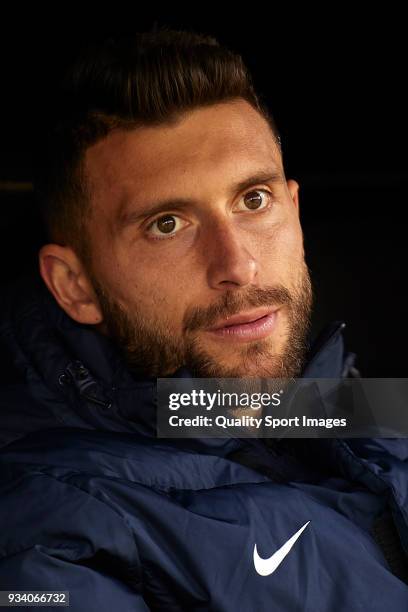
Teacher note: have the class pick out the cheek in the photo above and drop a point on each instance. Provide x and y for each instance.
(282, 245)
(292, 241)
(158, 277)
(155, 288)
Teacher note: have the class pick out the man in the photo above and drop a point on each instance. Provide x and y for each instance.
(176, 251)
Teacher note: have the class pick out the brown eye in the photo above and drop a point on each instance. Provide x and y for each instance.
(166, 224)
(253, 199)
(258, 200)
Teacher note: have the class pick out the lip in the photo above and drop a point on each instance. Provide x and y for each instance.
(243, 317)
(244, 327)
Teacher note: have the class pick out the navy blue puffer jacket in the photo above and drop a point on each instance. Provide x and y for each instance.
(93, 503)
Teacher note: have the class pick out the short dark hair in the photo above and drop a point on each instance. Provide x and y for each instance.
(149, 78)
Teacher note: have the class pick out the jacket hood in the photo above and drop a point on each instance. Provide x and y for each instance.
(60, 373)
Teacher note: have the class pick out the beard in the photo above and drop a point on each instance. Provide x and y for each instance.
(150, 347)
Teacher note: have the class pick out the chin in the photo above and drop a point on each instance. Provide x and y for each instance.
(256, 364)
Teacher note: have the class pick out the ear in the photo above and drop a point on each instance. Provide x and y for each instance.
(66, 278)
(293, 187)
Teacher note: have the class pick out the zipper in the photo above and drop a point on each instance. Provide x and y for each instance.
(78, 375)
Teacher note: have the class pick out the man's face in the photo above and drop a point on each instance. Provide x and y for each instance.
(214, 249)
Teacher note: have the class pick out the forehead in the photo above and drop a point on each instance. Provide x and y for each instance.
(222, 140)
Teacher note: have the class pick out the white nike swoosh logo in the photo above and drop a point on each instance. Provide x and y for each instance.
(264, 567)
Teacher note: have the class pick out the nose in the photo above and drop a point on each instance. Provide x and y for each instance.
(229, 260)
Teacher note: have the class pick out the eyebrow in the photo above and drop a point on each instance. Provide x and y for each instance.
(269, 175)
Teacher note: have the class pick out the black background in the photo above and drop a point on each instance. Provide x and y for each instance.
(334, 82)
